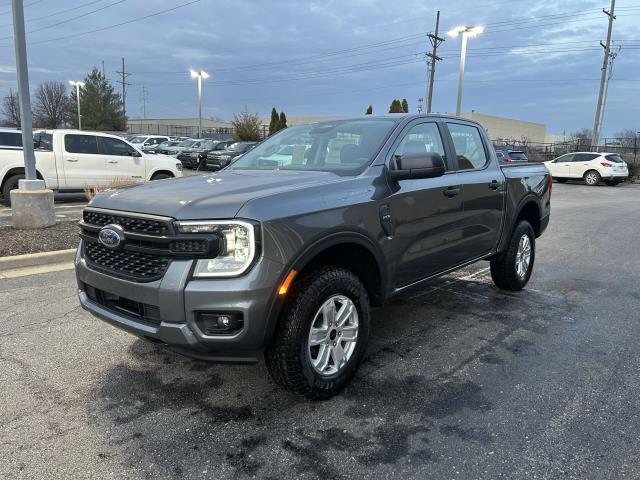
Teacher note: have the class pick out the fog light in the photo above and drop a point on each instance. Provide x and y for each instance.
(219, 323)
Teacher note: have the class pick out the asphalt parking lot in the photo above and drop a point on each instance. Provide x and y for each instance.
(461, 380)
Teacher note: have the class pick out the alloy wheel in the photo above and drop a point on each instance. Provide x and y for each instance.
(523, 256)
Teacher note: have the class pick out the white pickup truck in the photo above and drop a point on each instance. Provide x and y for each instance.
(72, 160)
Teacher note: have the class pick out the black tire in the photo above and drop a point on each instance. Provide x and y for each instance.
(10, 184)
(561, 180)
(161, 176)
(288, 359)
(612, 183)
(592, 178)
(503, 268)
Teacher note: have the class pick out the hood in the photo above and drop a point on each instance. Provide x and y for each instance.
(215, 196)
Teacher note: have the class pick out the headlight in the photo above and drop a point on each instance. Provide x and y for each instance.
(237, 247)
(179, 167)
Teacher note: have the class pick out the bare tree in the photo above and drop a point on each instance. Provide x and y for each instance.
(628, 137)
(11, 110)
(50, 105)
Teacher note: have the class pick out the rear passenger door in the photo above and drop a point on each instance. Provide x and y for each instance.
(124, 162)
(483, 190)
(82, 163)
(581, 163)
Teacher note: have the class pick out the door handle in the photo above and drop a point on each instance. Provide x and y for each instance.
(451, 191)
(494, 185)
(72, 159)
(112, 161)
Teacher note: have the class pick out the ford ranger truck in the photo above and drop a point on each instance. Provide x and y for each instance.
(283, 259)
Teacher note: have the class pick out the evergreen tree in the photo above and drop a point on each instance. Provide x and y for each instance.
(396, 106)
(282, 123)
(369, 110)
(405, 105)
(275, 119)
(100, 106)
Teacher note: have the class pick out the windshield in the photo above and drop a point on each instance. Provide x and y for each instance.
(234, 147)
(186, 143)
(207, 145)
(137, 139)
(344, 147)
(517, 156)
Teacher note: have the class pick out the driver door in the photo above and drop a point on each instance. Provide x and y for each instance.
(124, 163)
(561, 166)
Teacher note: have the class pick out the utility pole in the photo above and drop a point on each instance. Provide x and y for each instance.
(144, 101)
(420, 100)
(435, 41)
(103, 74)
(603, 76)
(123, 75)
(612, 57)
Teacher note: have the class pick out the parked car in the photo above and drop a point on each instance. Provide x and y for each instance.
(287, 259)
(591, 167)
(10, 139)
(176, 149)
(509, 156)
(160, 147)
(220, 159)
(194, 156)
(148, 142)
(72, 160)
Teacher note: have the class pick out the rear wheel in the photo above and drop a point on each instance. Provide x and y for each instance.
(322, 334)
(592, 178)
(561, 180)
(10, 184)
(512, 270)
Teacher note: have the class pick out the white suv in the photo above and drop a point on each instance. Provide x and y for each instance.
(591, 167)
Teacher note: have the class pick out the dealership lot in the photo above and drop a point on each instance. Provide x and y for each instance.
(461, 380)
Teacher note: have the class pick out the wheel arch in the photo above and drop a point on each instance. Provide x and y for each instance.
(16, 171)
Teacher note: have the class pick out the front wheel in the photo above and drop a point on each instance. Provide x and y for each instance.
(10, 184)
(512, 269)
(322, 334)
(592, 178)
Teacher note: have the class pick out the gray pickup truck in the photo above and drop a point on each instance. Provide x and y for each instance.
(281, 254)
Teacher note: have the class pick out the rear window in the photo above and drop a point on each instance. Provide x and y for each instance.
(81, 144)
(518, 156)
(615, 158)
(10, 139)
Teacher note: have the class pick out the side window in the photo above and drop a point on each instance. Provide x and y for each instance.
(468, 146)
(43, 141)
(114, 146)
(11, 139)
(422, 138)
(564, 158)
(584, 157)
(81, 143)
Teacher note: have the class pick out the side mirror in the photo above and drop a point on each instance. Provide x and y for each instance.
(421, 165)
(135, 153)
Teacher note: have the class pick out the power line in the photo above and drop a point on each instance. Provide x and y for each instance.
(108, 27)
(8, 12)
(55, 14)
(70, 19)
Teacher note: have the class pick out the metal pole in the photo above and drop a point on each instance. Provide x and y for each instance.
(463, 54)
(603, 77)
(434, 58)
(78, 99)
(23, 91)
(200, 105)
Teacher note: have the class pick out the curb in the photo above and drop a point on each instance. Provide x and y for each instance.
(37, 259)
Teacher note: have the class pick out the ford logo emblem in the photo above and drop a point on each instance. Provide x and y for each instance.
(111, 236)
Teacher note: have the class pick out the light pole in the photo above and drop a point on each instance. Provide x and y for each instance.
(466, 33)
(78, 84)
(200, 74)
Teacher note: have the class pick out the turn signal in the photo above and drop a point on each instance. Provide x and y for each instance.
(287, 282)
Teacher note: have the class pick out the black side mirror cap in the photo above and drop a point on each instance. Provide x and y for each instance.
(421, 165)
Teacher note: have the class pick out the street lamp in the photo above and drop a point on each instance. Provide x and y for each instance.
(200, 74)
(466, 33)
(78, 84)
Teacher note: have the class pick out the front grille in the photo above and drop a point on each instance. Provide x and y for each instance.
(189, 246)
(126, 263)
(147, 226)
(138, 311)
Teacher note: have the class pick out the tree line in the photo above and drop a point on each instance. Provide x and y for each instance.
(54, 105)
(397, 106)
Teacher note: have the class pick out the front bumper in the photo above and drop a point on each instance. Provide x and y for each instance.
(178, 297)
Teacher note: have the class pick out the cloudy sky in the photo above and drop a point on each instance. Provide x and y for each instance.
(537, 61)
